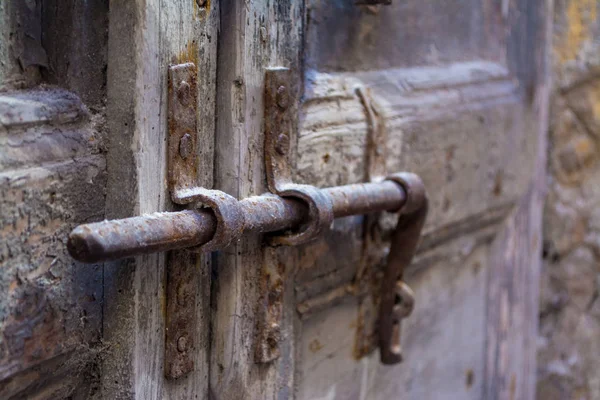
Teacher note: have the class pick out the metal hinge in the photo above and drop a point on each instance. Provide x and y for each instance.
(293, 213)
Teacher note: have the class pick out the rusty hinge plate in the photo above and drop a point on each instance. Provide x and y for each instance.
(182, 121)
(181, 265)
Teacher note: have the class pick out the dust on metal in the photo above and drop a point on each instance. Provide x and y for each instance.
(163, 231)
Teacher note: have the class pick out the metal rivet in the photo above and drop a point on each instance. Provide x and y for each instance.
(185, 146)
(282, 97)
(283, 144)
(184, 92)
(182, 344)
(263, 34)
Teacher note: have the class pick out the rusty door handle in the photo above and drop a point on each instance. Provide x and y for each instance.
(226, 219)
(195, 228)
(292, 213)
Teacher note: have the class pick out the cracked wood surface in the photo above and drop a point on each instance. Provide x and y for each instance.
(144, 38)
(457, 93)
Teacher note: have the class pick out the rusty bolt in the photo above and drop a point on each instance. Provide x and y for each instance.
(182, 295)
(282, 97)
(263, 34)
(182, 344)
(185, 146)
(184, 92)
(201, 3)
(283, 144)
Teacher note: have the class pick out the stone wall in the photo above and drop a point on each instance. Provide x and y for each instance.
(569, 333)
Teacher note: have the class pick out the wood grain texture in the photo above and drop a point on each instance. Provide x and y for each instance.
(75, 38)
(344, 37)
(456, 126)
(21, 51)
(512, 300)
(255, 35)
(51, 178)
(144, 38)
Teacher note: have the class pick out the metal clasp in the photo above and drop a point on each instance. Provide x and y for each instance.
(293, 213)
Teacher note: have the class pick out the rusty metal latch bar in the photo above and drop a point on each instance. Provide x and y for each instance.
(163, 231)
(293, 213)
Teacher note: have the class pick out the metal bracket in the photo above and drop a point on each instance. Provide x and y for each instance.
(182, 175)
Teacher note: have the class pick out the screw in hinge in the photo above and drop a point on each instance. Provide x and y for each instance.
(282, 97)
(283, 144)
(182, 344)
(185, 146)
(184, 92)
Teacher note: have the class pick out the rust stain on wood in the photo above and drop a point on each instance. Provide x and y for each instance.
(201, 8)
(188, 54)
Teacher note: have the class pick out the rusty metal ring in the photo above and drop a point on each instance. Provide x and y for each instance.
(227, 210)
(320, 212)
(404, 307)
(412, 184)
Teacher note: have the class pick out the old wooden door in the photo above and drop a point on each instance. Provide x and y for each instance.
(452, 90)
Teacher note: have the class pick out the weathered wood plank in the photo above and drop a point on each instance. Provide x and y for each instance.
(473, 131)
(75, 38)
(513, 295)
(443, 341)
(463, 119)
(44, 126)
(50, 305)
(457, 126)
(144, 38)
(21, 51)
(256, 35)
(51, 178)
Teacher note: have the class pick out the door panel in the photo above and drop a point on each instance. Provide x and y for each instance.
(455, 92)
(145, 37)
(469, 121)
(344, 37)
(444, 341)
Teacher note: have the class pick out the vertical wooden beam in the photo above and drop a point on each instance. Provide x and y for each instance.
(256, 35)
(21, 51)
(515, 257)
(144, 38)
